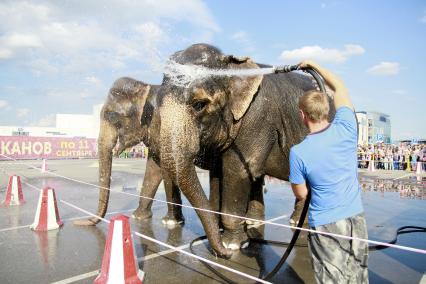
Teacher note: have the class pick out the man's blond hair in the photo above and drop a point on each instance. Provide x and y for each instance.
(315, 105)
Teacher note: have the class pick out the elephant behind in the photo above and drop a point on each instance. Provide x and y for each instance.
(125, 120)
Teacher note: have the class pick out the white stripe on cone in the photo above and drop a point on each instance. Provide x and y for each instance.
(14, 194)
(119, 263)
(47, 214)
(116, 263)
(44, 166)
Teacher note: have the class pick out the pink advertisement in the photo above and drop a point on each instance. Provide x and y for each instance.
(27, 147)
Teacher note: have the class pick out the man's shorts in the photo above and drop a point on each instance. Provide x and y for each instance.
(337, 260)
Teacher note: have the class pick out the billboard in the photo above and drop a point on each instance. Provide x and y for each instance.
(27, 147)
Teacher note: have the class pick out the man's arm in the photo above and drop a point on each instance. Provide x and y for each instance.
(341, 95)
(300, 190)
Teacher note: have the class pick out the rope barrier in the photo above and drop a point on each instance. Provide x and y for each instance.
(160, 242)
(421, 251)
(258, 280)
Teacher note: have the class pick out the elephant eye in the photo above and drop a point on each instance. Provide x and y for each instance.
(199, 105)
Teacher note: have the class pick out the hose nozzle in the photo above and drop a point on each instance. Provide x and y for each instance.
(286, 68)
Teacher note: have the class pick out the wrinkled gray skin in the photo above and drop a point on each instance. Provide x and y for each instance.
(250, 122)
(128, 103)
(130, 116)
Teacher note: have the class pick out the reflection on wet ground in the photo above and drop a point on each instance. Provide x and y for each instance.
(412, 187)
(74, 254)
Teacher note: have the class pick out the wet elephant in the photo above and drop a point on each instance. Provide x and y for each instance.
(251, 122)
(125, 120)
(130, 116)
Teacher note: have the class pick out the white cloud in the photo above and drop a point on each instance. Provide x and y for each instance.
(46, 121)
(318, 53)
(57, 36)
(94, 80)
(3, 104)
(384, 69)
(423, 19)
(85, 94)
(399, 92)
(243, 39)
(240, 36)
(22, 40)
(21, 112)
(12, 43)
(5, 53)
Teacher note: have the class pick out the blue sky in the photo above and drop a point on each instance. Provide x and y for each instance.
(62, 56)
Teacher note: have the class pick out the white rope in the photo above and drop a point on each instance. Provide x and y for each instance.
(422, 251)
(172, 247)
(161, 243)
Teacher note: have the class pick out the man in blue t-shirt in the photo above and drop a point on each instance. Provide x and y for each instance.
(327, 160)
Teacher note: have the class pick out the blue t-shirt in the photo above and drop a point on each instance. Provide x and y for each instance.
(328, 161)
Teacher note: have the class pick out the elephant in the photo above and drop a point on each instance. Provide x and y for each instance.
(124, 121)
(249, 122)
(130, 116)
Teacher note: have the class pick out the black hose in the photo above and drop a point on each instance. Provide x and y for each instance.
(292, 244)
(399, 231)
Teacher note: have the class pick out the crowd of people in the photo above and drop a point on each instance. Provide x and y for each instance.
(403, 156)
(138, 151)
(386, 157)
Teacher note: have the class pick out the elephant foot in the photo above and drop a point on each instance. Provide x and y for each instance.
(172, 221)
(295, 216)
(87, 222)
(235, 239)
(222, 252)
(256, 211)
(142, 214)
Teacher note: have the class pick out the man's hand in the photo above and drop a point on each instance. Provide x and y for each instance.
(341, 96)
(307, 64)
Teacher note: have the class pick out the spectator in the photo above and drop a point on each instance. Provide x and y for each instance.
(392, 157)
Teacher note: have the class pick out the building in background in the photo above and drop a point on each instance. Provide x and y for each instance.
(374, 127)
(66, 125)
(73, 136)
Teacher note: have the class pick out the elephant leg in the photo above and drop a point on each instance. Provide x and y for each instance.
(256, 207)
(191, 188)
(215, 187)
(235, 197)
(174, 212)
(215, 193)
(151, 181)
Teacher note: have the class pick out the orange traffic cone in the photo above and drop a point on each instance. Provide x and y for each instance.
(47, 214)
(119, 263)
(14, 195)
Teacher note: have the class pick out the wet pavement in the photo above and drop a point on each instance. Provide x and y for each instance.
(73, 254)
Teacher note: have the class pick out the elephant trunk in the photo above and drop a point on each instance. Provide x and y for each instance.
(106, 142)
(179, 146)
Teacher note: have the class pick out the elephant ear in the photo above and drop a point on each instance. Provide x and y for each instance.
(242, 89)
